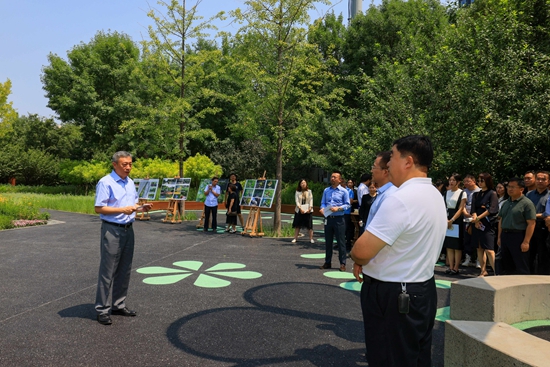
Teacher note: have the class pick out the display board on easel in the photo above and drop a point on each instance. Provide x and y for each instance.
(257, 194)
(146, 189)
(175, 190)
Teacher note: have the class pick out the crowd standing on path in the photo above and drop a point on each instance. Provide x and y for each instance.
(405, 222)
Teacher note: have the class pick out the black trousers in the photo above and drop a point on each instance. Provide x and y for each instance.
(393, 338)
(513, 260)
(538, 252)
(350, 231)
(207, 211)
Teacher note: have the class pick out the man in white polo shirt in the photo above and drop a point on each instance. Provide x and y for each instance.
(395, 257)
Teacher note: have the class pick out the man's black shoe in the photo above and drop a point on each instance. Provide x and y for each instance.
(124, 312)
(325, 266)
(104, 319)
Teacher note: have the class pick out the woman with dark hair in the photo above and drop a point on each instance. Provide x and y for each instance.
(455, 200)
(366, 203)
(502, 193)
(233, 207)
(303, 210)
(484, 217)
(238, 190)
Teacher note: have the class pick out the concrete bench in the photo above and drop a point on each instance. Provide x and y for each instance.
(509, 299)
(479, 343)
(482, 309)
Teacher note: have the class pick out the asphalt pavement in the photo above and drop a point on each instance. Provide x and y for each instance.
(203, 299)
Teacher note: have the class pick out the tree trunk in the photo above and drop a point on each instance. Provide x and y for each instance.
(279, 176)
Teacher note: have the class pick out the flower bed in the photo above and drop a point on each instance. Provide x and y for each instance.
(16, 212)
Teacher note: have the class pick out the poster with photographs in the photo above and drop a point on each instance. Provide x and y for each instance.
(175, 188)
(147, 188)
(222, 183)
(259, 193)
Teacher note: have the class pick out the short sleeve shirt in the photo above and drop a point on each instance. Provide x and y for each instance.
(383, 192)
(412, 222)
(211, 199)
(515, 213)
(116, 192)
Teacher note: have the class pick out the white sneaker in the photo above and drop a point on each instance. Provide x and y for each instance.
(294, 240)
(477, 265)
(312, 241)
(467, 260)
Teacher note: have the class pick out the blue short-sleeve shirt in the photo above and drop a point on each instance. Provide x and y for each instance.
(116, 192)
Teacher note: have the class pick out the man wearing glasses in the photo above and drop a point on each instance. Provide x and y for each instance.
(395, 257)
(380, 176)
(515, 228)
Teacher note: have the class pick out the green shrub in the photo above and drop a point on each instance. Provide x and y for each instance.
(38, 168)
(199, 167)
(154, 168)
(83, 173)
(5, 222)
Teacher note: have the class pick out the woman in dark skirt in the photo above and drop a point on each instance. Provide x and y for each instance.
(232, 205)
(455, 200)
(484, 217)
(303, 210)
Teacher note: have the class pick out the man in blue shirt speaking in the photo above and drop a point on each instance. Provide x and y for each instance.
(333, 204)
(116, 203)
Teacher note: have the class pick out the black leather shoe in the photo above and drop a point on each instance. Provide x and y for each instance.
(325, 266)
(104, 319)
(124, 312)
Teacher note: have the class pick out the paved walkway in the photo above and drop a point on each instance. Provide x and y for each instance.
(202, 300)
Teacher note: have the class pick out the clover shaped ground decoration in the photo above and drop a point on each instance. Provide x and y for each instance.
(210, 278)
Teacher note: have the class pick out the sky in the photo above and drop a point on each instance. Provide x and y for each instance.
(32, 29)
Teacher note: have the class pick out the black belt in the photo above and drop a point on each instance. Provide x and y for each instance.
(513, 230)
(335, 216)
(127, 225)
(370, 280)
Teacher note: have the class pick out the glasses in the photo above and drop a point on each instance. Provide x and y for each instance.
(512, 187)
(480, 180)
(374, 167)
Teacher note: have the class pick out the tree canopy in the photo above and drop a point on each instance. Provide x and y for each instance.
(293, 96)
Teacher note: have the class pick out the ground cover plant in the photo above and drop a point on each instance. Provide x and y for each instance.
(20, 211)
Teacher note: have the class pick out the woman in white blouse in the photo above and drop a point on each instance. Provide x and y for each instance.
(304, 208)
(455, 200)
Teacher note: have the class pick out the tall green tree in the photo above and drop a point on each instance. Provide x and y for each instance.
(175, 28)
(287, 72)
(94, 88)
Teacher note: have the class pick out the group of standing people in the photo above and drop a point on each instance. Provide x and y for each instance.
(503, 225)
(232, 204)
(402, 235)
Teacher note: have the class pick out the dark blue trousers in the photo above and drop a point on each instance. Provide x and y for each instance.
(335, 227)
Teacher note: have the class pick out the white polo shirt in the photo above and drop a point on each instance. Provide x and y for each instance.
(412, 222)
